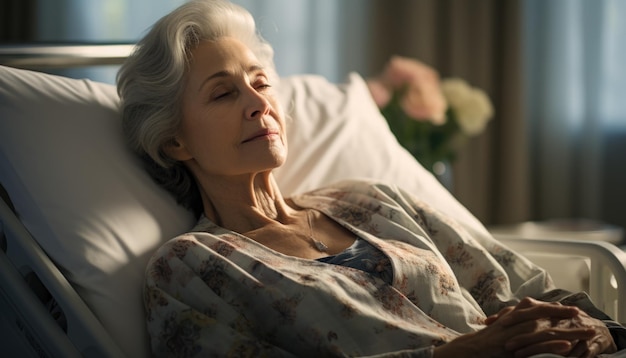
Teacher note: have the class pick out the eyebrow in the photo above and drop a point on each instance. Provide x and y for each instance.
(224, 73)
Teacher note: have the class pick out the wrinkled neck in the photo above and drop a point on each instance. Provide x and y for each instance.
(244, 205)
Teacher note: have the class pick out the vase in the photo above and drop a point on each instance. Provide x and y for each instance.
(442, 170)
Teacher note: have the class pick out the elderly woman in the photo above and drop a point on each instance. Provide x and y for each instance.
(353, 269)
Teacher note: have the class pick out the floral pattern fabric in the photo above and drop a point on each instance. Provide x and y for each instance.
(214, 292)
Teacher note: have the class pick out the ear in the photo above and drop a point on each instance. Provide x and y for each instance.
(177, 150)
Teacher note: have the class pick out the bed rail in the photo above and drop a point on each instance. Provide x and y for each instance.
(45, 56)
(24, 266)
(607, 283)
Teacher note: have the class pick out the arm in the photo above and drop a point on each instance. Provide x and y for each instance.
(496, 276)
(207, 327)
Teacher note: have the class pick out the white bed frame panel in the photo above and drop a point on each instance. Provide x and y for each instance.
(607, 267)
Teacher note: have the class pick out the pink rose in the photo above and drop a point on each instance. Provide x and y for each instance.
(422, 98)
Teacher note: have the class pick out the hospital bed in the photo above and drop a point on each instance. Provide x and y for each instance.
(79, 218)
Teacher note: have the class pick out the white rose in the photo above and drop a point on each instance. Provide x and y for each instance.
(472, 106)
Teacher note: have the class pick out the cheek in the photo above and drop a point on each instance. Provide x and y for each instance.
(209, 134)
(214, 138)
(279, 115)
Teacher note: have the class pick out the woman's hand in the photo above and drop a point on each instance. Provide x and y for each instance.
(493, 341)
(532, 327)
(602, 342)
(422, 98)
(558, 318)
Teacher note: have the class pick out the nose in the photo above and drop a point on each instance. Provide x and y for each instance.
(257, 105)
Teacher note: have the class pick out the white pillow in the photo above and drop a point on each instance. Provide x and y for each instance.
(337, 132)
(99, 216)
(82, 195)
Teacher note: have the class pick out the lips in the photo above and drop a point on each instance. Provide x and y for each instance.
(262, 133)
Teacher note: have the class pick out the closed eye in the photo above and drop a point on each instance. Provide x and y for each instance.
(261, 83)
(222, 95)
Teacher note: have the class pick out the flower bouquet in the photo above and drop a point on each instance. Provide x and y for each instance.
(432, 119)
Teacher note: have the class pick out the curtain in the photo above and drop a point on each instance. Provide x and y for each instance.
(574, 55)
(479, 41)
(325, 37)
(17, 21)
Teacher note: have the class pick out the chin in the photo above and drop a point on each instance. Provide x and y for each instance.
(280, 157)
(279, 163)
(267, 164)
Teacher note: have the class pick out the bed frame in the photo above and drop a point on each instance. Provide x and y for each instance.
(29, 279)
(606, 267)
(47, 56)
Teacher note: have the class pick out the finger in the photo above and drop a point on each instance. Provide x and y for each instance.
(559, 347)
(537, 312)
(548, 335)
(504, 311)
(494, 317)
(592, 350)
(528, 302)
(580, 349)
(489, 320)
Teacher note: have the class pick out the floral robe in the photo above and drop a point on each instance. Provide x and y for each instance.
(214, 292)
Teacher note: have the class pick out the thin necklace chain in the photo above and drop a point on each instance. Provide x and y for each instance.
(320, 246)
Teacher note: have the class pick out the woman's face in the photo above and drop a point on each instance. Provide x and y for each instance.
(232, 124)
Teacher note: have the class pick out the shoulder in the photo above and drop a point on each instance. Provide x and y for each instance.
(193, 248)
(184, 258)
(358, 189)
(174, 249)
